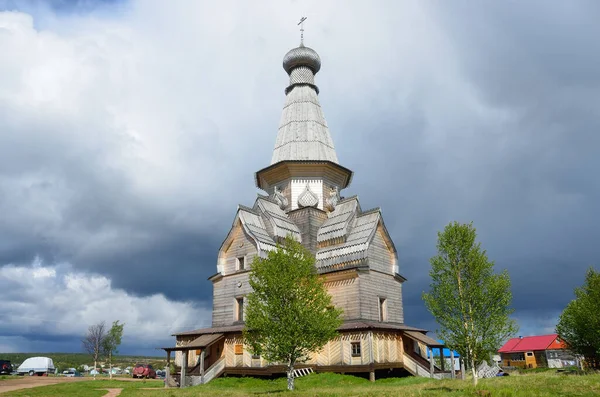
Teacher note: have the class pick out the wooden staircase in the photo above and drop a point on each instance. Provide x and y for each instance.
(418, 366)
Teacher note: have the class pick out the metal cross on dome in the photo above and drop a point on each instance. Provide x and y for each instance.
(301, 23)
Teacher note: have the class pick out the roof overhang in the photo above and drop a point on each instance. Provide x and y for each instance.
(201, 342)
(282, 170)
(426, 340)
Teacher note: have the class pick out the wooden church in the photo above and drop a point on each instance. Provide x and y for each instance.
(354, 254)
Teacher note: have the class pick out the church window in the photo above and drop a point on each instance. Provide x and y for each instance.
(239, 309)
(382, 309)
(355, 349)
(241, 263)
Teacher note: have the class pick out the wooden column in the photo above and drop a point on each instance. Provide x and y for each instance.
(202, 366)
(452, 373)
(371, 344)
(168, 371)
(442, 358)
(431, 365)
(184, 361)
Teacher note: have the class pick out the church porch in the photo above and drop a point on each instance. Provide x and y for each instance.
(362, 348)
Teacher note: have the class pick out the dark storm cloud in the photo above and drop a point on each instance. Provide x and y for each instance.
(529, 181)
(127, 152)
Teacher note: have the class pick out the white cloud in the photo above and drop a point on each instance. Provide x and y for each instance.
(58, 302)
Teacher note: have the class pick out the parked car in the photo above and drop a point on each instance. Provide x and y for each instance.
(6, 367)
(144, 371)
(36, 366)
(71, 373)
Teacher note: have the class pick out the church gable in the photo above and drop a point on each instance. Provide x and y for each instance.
(249, 231)
(382, 253)
(239, 246)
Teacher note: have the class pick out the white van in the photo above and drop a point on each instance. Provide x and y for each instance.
(36, 366)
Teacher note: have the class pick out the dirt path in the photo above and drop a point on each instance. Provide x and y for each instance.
(27, 382)
(112, 392)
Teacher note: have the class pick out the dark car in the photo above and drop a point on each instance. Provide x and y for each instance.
(5, 367)
(144, 371)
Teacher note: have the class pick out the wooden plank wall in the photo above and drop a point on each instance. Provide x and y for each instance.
(387, 348)
(374, 285)
(345, 295)
(242, 245)
(226, 290)
(381, 258)
(192, 356)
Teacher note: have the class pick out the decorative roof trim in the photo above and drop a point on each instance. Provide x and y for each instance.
(348, 174)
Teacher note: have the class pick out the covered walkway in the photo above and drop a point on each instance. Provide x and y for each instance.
(200, 343)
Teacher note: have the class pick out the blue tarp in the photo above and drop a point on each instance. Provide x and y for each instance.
(436, 351)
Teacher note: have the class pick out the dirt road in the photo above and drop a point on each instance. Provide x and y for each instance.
(27, 382)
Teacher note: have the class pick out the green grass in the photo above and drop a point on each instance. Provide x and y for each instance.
(531, 384)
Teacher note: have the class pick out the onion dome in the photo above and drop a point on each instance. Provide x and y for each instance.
(301, 56)
(307, 198)
(301, 64)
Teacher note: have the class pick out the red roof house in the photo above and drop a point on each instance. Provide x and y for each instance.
(534, 351)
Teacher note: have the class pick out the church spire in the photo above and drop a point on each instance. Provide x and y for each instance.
(304, 168)
(303, 132)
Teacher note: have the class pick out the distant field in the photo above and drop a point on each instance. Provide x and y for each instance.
(74, 360)
(531, 384)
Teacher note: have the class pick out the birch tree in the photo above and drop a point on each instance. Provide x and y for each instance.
(469, 301)
(93, 341)
(289, 313)
(111, 342)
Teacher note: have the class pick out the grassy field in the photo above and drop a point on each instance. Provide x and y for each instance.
(532, 384)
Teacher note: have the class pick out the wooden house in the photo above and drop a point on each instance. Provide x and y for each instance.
(536, 351)
(354, 254)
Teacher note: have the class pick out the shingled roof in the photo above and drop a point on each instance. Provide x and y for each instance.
(303, 133)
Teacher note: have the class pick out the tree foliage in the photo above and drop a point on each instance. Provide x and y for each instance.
(93, 341)
(469, 302)
(289, 314)
(579, 323)
(112, 341)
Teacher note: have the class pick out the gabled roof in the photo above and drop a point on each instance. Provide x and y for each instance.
(281, 225)
(339, 221)
(354, 229)
(253, 225)
(530, 343)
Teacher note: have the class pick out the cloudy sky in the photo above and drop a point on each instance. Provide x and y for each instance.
(130, 130)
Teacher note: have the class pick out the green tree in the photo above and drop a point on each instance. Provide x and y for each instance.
(579, 323)
(468, 301)
(289, 314)
(111, 342)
